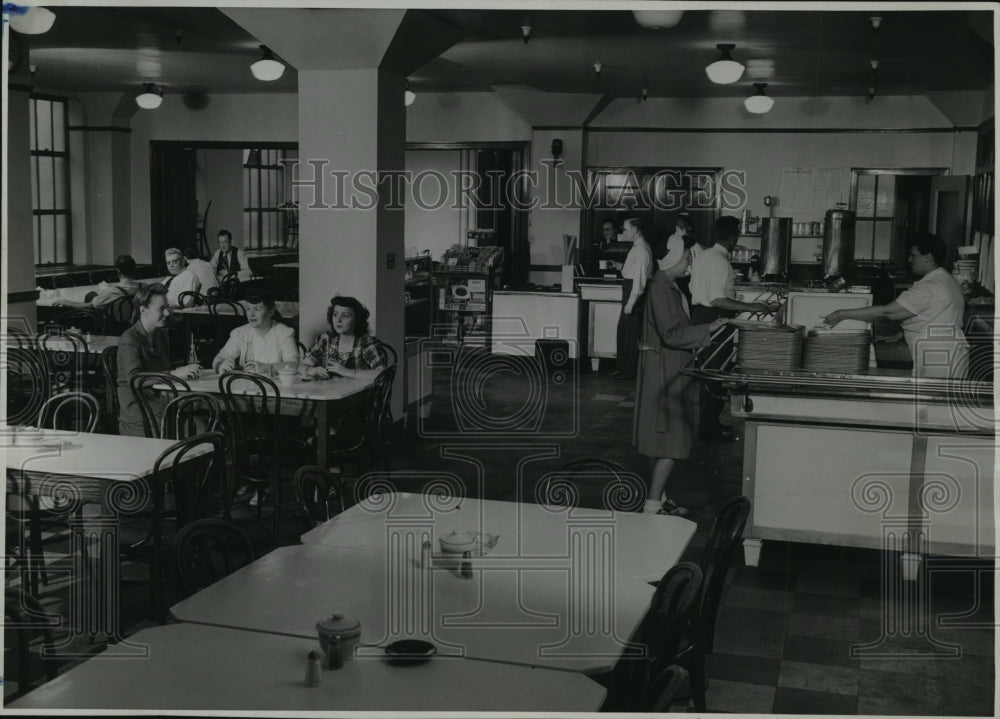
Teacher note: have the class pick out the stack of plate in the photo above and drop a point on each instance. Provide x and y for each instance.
(831, 351)
(767, 346)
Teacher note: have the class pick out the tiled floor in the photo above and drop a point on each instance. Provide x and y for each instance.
(785, 629)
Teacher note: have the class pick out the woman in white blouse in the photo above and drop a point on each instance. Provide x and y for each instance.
(636, 272)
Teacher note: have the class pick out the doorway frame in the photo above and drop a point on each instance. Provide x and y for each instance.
(517, 265)
(852, 197)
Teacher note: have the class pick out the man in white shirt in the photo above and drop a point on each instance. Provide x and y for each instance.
(229, 260)
(259, 344)
(713, 295)
(932, 312)
(181, 279)
(201, 269)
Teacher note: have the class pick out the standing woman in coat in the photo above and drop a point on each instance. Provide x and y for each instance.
(636, 271)
(665, 398)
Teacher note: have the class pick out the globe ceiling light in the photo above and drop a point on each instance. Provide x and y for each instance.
(657, 19)
(725, 70)
(150, 98)
(408, 97)
(32, 20)
(759, 103)
(267, 69)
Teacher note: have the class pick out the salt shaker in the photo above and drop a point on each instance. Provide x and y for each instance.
(312, 670)
(466, 567)
(425, 555)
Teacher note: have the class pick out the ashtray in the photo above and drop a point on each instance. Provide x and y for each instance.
(410, 650)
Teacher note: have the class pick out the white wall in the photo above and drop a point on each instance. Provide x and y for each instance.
(463, 117)
(238, 118)
(429, 227)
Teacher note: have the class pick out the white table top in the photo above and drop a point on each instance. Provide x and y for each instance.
(570, 618)
(335, 388)
(287, 265)
(81, 454)
(643, 546)
(48, 298)
(194, 667)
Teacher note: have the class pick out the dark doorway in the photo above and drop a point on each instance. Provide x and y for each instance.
(913, 207)
(495, 166)
(172, 198)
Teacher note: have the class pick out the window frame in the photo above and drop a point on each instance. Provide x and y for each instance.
(35, 153)
(254, 226)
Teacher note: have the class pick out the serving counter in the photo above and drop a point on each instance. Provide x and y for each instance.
(880, 460)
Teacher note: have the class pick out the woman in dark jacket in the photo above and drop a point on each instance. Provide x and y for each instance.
(665, 398)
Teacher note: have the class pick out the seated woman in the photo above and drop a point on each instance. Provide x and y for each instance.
(144, 347)
(346, 349)
(261, 344)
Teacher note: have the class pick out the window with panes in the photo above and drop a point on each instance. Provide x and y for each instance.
(264, 207)
(50, 181)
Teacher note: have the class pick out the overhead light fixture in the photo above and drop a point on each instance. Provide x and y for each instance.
(408, 95)
(597, 68)
(526, 33)
(657, 19)
(29, 20)
(759, 102)
(645, 94)
(725, 70)
(267, 69)
(150, 98)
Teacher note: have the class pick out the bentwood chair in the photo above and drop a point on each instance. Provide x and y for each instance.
(118, 314)
(231, 288)
(66, 359)
(188, 414)
(25, 621)
(190, 298)
(367, 444)
(73, 411)
(70, 411)
(84, 320)
(206, 550)
(151, 390)
(656, 642)
(182, 488)
(109, 368)
(261, 450)
(200, 231)
(723, 541)
(665, 688)
(592, 481)
(27, 385)
(321, 494)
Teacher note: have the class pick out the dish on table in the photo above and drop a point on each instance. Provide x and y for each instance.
(410, 650)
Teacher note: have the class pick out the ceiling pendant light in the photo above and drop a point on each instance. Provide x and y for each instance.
(32, 20)
(267, 68)
(759, 103)
(597, 68)
(526, 33)
(150, 98)
(725, 70)
(657, 19)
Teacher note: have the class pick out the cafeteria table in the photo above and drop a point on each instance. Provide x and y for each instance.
(575, 618)
(640, 546)
(289, 311)
(103, 469)
(318, 399)
(96, 344)
(192, 667)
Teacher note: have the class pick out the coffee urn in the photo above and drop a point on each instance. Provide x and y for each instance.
(775, 247)
(838, 243)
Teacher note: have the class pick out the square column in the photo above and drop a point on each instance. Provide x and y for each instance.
(352, 130)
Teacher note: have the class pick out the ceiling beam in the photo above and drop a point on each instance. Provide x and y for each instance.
(601, 105)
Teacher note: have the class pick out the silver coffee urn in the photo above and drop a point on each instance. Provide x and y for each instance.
(838, 247)
(775, 248)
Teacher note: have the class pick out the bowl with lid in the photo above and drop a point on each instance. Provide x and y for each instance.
(338, 634)
(457, 542)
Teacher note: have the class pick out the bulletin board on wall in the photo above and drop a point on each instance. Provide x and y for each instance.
(808, 192)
